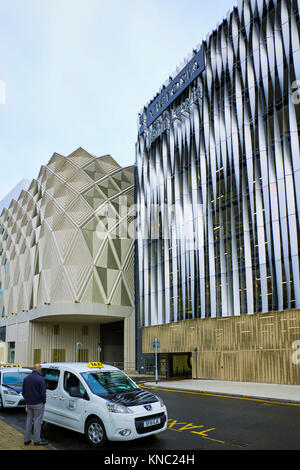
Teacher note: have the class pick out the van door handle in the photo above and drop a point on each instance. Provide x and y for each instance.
(54, 396)
(62, 398)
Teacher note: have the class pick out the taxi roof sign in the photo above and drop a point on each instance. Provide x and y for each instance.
(95, 365)
(5, 366)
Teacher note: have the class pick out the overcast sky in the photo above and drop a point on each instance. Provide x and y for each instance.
(77, 72)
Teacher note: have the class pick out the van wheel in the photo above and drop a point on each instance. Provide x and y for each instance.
(95, 432)
(1, 403)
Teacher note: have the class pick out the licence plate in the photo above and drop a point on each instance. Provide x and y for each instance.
(151, 422)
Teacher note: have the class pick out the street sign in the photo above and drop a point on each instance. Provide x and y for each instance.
(156, 346)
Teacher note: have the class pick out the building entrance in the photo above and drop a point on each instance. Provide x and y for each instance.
(181, 365)
(112, 343)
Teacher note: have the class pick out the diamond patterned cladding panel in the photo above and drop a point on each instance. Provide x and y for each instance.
(108, 216)
(67, 170)
(78, 263)
(64, 232)
(79, 210)
(55, 259)
(124, 179)
(128, 272)
(94, 197)
(108, 164)
(80, 181)
(95, 171)
(60, 288)
(56, 162)
(90, 232)
(121, 295)
(109, 187)
(64, 195)
(93, 292)
(52, 213)
(80, 157)
(108, 267)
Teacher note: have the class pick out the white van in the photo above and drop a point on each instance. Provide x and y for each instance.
(101, 402)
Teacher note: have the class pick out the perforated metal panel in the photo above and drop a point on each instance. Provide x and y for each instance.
(218, 177)
(62, 239)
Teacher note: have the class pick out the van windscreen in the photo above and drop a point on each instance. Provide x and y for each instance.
(109, 382)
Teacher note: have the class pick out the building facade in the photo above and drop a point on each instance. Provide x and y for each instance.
(218, 201)
(66, 274)
(14, 193)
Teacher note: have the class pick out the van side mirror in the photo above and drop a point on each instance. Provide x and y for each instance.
(75, 392)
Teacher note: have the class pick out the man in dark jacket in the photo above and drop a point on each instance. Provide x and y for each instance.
(34, 393)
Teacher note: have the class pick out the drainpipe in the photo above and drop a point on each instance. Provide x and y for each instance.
(77, 351)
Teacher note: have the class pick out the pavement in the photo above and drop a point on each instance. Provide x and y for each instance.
(265, 391)
(13, 439)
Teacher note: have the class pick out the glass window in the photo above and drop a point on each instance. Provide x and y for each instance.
(83, 355)
(14, 378)
(2, 333)
(85, 331)
(11, 352)
(58, 355)
(51, 377)
(71, 381)
(37, 356)
(56, 329)
(109, 382)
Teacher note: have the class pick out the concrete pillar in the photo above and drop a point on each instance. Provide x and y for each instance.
(129, 343)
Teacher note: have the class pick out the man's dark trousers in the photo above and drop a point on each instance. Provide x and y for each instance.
(34, 417)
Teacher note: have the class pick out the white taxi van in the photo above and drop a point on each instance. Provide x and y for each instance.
(11, 383)
(101, 402)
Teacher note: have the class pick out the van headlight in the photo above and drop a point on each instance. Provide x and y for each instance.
(9, 392)
(117, 408)
(161, 402)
